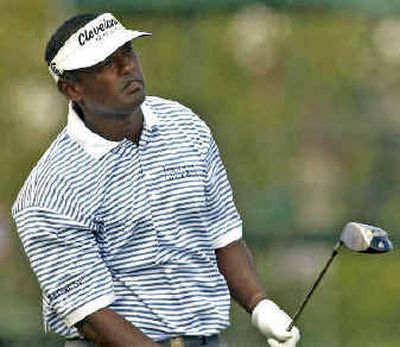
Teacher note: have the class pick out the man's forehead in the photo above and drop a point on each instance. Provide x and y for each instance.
(127, 47)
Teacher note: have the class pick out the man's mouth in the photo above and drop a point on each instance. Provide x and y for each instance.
(132, 85)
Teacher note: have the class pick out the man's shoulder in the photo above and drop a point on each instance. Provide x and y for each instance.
(171, 112)
(180, 124)
(162, 104)
(62, 154)
(48, 175)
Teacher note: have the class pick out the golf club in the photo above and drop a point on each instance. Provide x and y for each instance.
(356, 237)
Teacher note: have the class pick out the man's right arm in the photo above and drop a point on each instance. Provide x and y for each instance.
(75, 281)
(106, 328)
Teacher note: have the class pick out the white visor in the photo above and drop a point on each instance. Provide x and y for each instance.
(92, 44)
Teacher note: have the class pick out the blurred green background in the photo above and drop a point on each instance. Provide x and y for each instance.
(304, 104)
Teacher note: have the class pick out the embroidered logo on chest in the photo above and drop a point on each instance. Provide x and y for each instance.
(177, 172)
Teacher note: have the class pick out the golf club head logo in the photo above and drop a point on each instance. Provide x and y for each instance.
(379, 244)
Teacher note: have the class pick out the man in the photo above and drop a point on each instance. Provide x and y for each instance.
(128, 219)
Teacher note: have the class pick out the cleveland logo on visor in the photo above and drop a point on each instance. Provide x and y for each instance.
(94, 32)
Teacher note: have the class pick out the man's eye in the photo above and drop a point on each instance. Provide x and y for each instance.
(107, 63)
(127, 50)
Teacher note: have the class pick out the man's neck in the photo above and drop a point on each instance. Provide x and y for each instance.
(114, 128)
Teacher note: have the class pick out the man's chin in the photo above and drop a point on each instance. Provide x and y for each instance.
(132, 105)
(138, 99)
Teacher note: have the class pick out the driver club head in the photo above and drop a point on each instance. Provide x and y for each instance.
(365, 238)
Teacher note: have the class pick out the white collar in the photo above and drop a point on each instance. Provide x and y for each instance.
(94, 144)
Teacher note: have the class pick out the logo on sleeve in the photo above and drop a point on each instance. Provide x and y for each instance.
(66, 289)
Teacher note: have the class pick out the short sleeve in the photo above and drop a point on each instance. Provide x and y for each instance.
(64, 255)
(222, 216)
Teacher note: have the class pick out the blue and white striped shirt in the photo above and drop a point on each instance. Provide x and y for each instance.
(131, 227)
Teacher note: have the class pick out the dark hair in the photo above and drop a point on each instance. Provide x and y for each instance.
(62, 34)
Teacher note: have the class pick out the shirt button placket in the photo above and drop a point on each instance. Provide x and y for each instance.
(151, 196)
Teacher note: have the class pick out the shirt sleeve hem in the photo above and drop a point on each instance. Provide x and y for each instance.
(231, 236)
(87, 309)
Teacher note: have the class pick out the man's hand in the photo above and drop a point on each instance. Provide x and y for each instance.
(273, 322)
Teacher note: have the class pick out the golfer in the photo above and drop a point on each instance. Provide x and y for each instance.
(128, 218)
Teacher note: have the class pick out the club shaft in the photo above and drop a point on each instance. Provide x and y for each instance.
(313, 287)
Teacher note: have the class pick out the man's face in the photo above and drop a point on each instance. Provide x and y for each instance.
(114, 86)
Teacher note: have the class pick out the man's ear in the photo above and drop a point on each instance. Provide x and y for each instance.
(70, 89)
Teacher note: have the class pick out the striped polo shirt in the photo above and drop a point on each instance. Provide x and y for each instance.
(131, 227)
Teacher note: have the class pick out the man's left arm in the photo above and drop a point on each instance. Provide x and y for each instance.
(236, 265)
(233, 257)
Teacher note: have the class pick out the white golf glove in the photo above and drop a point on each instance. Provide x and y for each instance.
(273, 322)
